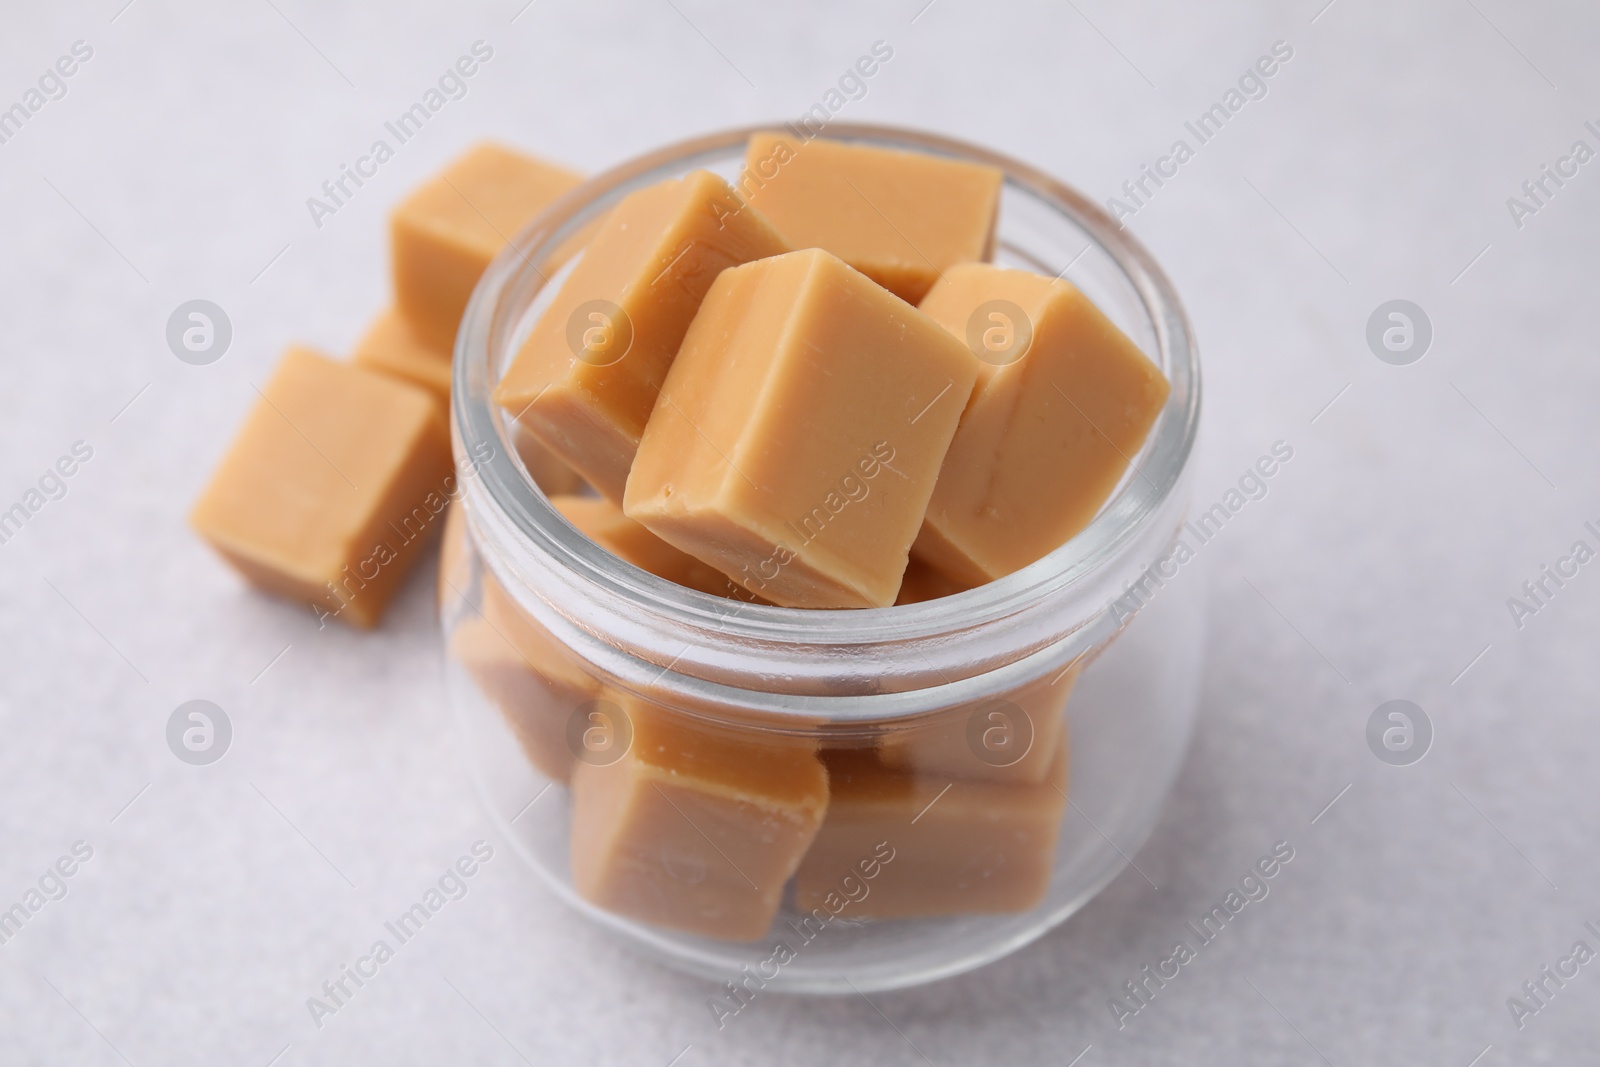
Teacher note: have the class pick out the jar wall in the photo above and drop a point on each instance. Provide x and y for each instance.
(997, 817)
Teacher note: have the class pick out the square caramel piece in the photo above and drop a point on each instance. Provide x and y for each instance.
(1064, 400)
(900, 218)
(390, 346)
(800, 431)
(1011, 737)
(455, 558)
(899, 846)
(587, 376)
(334, 484)
(548, 471)
(524, 670)
(605, 524)
(922, 583)
(520, 693)
(692, 827)
(445, 233)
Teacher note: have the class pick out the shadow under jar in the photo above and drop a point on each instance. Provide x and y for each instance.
(823, 799)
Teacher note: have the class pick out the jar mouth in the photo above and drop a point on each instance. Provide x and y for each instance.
(502, 496)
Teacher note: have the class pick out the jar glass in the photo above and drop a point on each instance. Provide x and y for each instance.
(967, 810)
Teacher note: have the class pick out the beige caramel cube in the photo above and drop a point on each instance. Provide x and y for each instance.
(922, 583)
(548, 471)
(1011, 737)
(605, 524)
(800, 431)
(333, 486)
(390, 346)
(445, 233)
(1063, 402)
(524, 670)
(533, 641)
(522, 695)
(455, 560)
(694, 828)
(900, 846)
(900, 218)
(585, 380)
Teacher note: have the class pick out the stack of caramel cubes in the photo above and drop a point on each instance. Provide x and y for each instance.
(809, 388)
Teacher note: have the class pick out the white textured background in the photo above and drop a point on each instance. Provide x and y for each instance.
(1377, 167)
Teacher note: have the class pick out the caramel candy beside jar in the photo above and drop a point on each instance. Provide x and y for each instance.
(900, 218)
(1062, 403)
(332, 487)
(694, 827)
(390, 346)
(443, 236)
(903, 846)
(800, 431)
(585, 380)
(455, 564)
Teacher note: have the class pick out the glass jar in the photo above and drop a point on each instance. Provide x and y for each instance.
(823, 800)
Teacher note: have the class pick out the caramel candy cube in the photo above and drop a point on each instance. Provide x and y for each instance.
(565, 670)
(587, 377)
(1063, 402)
(530, 704)
(390, 346)
(1013, 737)
(445, 233)
(922, 583)
(455, 565)
(900, 218)
(898, 846)
(537, 682)
(800, 431)
(548, 471)
(694, 828)
(332, 487)
(393, 347)
(605, 524)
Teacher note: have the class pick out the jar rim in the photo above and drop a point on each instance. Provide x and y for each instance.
(1140, 501)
